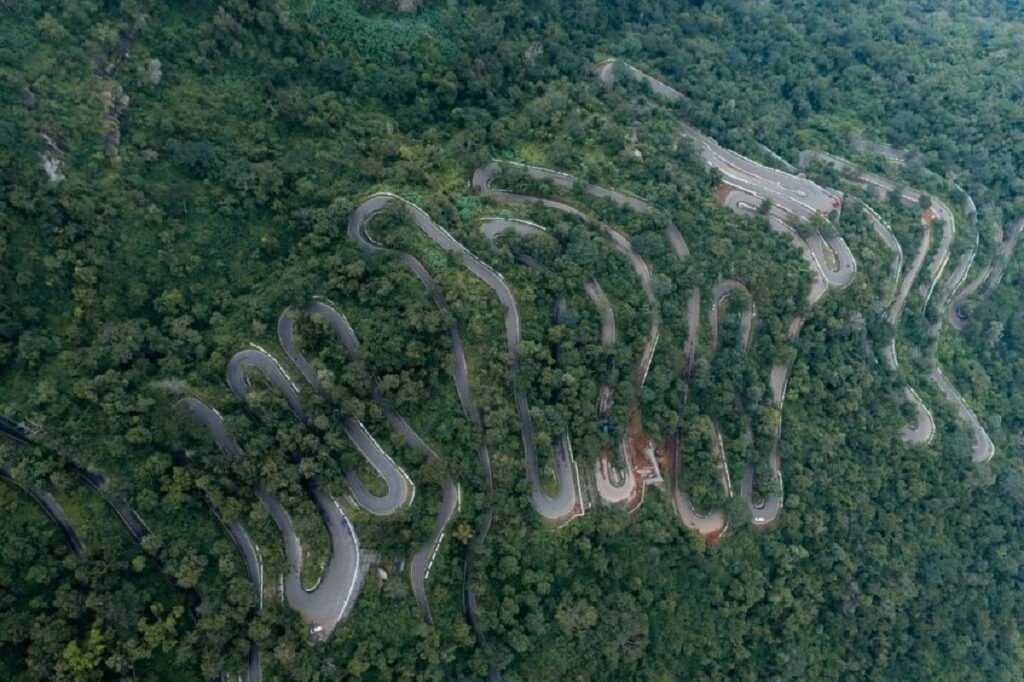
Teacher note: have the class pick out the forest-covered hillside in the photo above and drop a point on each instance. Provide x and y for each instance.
(377, 339)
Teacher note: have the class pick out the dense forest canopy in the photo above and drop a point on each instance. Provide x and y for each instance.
(294, 269)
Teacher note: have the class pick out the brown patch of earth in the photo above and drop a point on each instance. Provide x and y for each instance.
(722, 193)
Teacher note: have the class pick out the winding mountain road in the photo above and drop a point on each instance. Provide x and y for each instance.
(745, 203)
(883, 187)
(749, 184)
(423, 559)
(764, 512)
(400, 489)
(483, 178)
(331, 601)
(887, 236)
(50, 507)
(357, 233)
(247, 549)
(565, 504)
(984, 448)
(923, 431)
(956, 314)
(614, 485)
(722, 291)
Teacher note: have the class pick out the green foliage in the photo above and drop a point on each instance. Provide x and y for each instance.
(219, 194)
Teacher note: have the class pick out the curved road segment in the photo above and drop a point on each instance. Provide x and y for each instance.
(956, 314)
(51, 508)
(984, 449)
(400, 490)
(745, 203)
(722, 291)
(799, 196)
(423, 558)
(483, 180)
(565, 503)
(922, 432)
(886, 234)
(251, 559)
(938, 211)
(331, 601)
(615, 485)
(357, 233)
(764, 512)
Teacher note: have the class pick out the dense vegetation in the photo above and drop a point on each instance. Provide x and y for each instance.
(202, 163)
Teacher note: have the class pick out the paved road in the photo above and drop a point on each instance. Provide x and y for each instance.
(51, 508)
(258, 359)
(924, 430)
(615, 485)
(675, 238)
(953, 283)
(887, 236)
(495, 227)
(565, 503)
(357, 232)
(400, 489)
(764, 512)
(797, 195)
(482, 180)
(845, 268)
(956, 314)
(331, 601)
(612, 69)
(752, 183)
(13, 431)
(745, 203)
(884, 187)
(984, 449)
(423, 558)
(712, 524)
(896, 309)
(251, 559)
(129, 518)
(715, 523)
(609, 333)
(723, 290)
(894, 154)
(693, 327)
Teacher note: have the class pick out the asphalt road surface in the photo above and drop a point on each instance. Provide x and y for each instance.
(984, 448)
(745, 203)
(924, 430)
(331, 601)
(248, 550)
(400, 490)
(723, 290)
(357, 232)
(51, 508)
(423, 558)
(565, 503)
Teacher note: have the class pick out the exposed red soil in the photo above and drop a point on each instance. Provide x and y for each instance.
(642, 468)
(721, 193)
